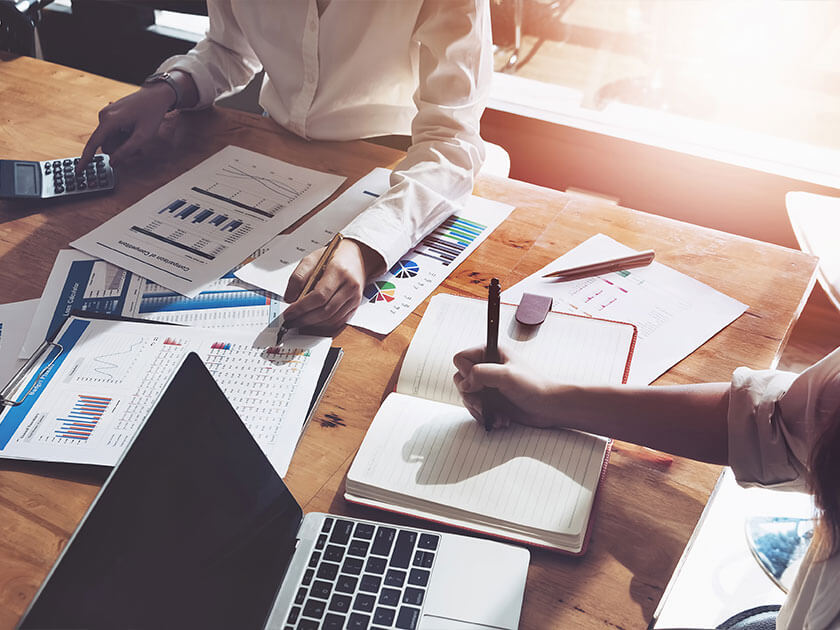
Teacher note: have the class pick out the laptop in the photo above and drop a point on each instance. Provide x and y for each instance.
(194, 529)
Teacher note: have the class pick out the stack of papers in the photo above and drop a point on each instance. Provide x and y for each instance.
(168, 259)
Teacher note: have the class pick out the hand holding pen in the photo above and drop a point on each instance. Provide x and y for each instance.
(322, 263)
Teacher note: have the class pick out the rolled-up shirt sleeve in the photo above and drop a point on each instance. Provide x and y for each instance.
(775, 418)
(222, 62)
(436, 177)
(758, 451)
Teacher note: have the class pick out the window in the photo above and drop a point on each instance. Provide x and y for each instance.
(750, 82)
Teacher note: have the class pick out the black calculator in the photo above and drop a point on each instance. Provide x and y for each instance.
(21, 179)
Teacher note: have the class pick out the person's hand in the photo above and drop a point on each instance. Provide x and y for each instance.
(527, 397)
(127, 124)
(337, 293)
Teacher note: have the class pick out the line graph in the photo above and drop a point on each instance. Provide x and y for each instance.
(112, 361)
(249, 188)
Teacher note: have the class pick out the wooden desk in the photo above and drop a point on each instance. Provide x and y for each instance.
(647, 509)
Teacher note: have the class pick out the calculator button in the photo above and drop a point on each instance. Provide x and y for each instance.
(103, 179)
(59, 189)
(71, 186)
(98, 157)
(82, 186)
(56, 164)
(67, 162)
(92, 183)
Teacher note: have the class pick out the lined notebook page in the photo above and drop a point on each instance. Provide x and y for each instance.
(564, 347)
(530, 478)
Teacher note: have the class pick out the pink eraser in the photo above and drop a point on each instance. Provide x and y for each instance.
(532, 309)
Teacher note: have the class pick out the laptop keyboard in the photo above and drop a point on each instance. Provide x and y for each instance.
(364, 576)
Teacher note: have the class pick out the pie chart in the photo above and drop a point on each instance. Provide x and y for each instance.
(405, 269)
(380, 291)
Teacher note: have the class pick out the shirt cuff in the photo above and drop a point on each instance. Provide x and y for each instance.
(758, 450)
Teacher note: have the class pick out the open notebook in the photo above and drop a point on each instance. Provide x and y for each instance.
(424, 455)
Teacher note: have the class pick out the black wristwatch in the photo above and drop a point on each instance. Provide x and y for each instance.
(165, 77)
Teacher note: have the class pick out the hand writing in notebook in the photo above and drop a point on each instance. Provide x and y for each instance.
(525, 399)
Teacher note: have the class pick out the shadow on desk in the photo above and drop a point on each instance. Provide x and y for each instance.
(645, 537)
(80, 473)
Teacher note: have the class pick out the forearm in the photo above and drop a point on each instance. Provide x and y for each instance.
(685, 420)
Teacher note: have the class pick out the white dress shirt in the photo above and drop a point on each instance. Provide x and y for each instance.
(775, 418)
(350, 69)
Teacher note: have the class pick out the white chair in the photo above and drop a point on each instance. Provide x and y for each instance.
(496, 161)
(816, 224)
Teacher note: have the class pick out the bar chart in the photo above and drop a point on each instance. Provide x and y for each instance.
(450, 239)
(83, 418)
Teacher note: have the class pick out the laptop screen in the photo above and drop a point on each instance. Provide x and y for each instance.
(193, 528)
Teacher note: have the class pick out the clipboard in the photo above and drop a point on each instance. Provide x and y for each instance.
(48, 345)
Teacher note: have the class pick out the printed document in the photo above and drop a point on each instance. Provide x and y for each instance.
(14, 321)
(79, 282)
(86, 396)
(674, 314)
(388, 299)
(206, 221)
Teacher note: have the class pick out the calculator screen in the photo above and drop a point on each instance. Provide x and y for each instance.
(25, 180)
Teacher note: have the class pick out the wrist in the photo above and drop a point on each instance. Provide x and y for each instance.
(162, 94)
(372, 260)
(158, 80)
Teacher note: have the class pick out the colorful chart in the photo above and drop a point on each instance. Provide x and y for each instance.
(449, 239)
(83, 418)
(405, 269)
(380, 291)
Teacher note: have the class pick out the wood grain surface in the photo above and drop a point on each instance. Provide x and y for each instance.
(648, 504)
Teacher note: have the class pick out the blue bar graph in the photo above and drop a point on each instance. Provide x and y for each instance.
(183, 214)
(172, 207)
(202, 215)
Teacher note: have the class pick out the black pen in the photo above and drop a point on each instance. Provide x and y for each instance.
(490, 397)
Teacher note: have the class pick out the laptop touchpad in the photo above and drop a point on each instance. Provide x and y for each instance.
(475, 584)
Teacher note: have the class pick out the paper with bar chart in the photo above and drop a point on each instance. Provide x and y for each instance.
(204, 222)
(389, 298)
(80, 282)
(84, 399)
